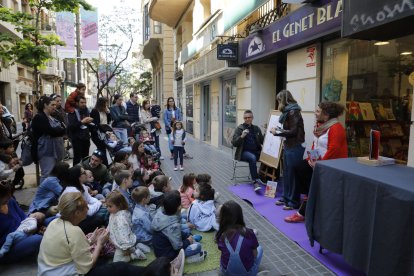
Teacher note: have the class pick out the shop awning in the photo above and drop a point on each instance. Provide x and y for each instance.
(377, 19)
(168, 12)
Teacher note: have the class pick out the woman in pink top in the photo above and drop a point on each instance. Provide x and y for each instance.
(187, 190)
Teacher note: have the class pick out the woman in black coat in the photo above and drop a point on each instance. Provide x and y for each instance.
(101, 118)
(47, 148)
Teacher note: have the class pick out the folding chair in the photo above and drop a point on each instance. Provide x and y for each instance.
(239, 165)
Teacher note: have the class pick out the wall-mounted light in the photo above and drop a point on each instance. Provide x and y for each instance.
(406, 53)
(381, 43)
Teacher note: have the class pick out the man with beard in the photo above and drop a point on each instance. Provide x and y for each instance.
(79, 123)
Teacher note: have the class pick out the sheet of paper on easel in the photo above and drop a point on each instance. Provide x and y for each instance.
(272, 144)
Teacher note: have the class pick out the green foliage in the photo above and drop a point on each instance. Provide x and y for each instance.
(34, 49)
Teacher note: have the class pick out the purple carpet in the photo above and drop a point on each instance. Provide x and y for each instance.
(295, 231)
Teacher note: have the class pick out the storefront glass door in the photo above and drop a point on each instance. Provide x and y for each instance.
(229, 111)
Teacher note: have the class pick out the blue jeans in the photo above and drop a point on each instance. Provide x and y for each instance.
(22, 249)
(292, 157)
(12, 238)
(157, 141)
(192, 249)
(46, 164)
(122, 134)
(170, 144)
(178, 152)
(251, 158)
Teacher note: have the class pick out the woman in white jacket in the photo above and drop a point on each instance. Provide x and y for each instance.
(202, 212)
(75, 183)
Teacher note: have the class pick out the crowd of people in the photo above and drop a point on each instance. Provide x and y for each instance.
(124, 209)
(97, 210)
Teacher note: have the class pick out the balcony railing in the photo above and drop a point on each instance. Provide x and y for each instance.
(270, 17)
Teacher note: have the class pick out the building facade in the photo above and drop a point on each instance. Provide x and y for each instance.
(158, 49)
(299, 48)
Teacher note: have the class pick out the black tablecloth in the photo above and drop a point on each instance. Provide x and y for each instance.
(364, 213)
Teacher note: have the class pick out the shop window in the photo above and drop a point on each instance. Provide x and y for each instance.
(372, 79)
(157, 27)
(229, 111)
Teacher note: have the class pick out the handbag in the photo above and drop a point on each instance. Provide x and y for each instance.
(26, 156)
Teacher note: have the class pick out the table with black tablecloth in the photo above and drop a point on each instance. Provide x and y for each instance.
(364, 213)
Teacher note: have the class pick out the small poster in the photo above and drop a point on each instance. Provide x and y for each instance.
(271, 189)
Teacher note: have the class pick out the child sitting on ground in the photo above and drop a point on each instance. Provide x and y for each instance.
(140, 178)
(186, 190)
(8, 164)
(116, 144)
(141, 220)
(150, 165)
(206, 178)
(167, 238)
(120, 229)
(94, 188)
(108, 187)
(27, 227)
(241, 253)
(124, 181)
(160, 185)
(202, 212)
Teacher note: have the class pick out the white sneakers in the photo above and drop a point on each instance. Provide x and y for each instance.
(197, 257)
(181, 168)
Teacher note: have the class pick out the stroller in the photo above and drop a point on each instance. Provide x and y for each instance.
(148, 142)
(104, 135)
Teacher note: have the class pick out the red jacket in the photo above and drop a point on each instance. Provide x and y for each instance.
(70, 103)
(337, 146)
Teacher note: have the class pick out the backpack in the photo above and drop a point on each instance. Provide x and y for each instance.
(26, 146)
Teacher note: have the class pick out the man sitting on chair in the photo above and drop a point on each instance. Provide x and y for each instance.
(248, 140)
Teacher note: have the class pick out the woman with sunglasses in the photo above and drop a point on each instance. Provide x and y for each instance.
(75, 182)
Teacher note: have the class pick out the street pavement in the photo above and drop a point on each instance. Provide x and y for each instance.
(281, 255)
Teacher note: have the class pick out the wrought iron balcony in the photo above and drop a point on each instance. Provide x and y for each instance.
(270, 17)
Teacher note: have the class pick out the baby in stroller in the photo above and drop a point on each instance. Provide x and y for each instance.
(145, 138)
(115, 144)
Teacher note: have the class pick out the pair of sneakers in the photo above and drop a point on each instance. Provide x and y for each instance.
(257, 184)
(197, 257)
(140, 251)
(181, 168)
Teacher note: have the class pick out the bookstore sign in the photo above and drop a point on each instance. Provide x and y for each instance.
(305, 24)
(227, 51)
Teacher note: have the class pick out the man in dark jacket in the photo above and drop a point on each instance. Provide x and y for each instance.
(99, 171)
(248, 140)
(133, 108)
(79, 123)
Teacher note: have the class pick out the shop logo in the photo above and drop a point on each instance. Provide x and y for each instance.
(256, 46)
(311, 56)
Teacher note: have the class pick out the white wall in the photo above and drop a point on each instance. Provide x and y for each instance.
(303, 79)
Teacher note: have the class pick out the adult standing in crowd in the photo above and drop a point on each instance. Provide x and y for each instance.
(120, 119)
(329, 142)
(133, 108)
(48, 137)
(148, 119)
(70, 103)
(101, 118)
(10, 218)
(79, 124)
(294, 133)
(65, 250)
(248, 140)
(28, 116)
(59, 113)
(171, 114)
(5, 130)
